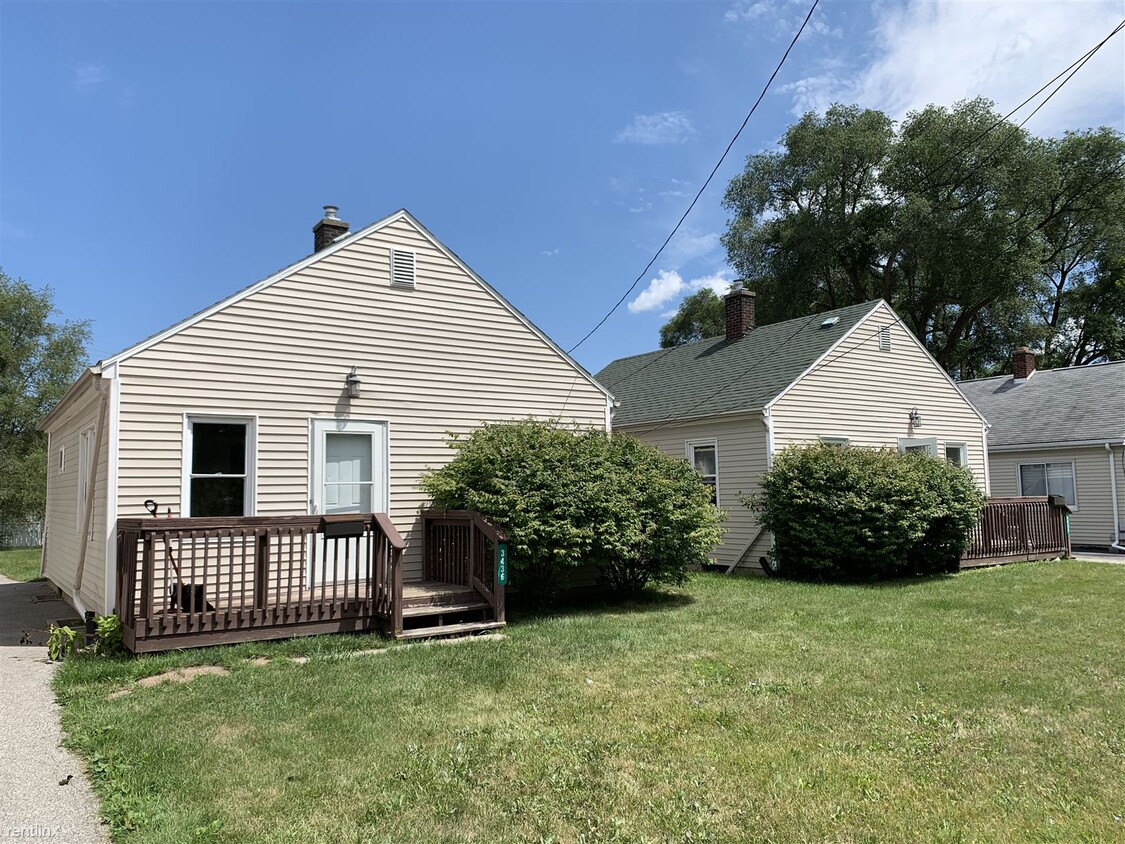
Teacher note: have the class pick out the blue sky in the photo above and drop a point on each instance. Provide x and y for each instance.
(156, 157)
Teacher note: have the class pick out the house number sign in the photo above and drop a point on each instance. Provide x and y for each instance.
(502, 563)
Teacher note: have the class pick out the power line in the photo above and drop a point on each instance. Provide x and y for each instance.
(707, 182)
(1069, 71)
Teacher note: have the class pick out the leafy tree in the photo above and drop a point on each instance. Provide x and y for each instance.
(568, 497)
(982, 241)
(700, 315)
(39, 360)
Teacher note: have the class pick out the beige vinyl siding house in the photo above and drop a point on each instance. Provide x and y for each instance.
(854, 376)
(255, 388)
(1060, 432)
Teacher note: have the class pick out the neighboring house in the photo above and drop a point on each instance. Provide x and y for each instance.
(852, 376)
(1060, 432)
(244, 409)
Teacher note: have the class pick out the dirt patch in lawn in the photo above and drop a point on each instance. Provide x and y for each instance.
(180, 675)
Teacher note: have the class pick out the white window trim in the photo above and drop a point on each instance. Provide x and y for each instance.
(1044, 464)
(250, 491)
(963, 448)
(841, 441)
(914, 442)
(62, 459)
(689, 453)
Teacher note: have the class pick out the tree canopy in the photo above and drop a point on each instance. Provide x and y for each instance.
(700, 315)
(981, 240)
(39, 360)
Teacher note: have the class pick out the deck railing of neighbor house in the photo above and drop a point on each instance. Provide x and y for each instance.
(1011, 529)
(202, 581)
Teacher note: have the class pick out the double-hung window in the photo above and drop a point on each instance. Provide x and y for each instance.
(218, 464)
(919, 445)
(1048, 479)
(955, 454)
(704, 456)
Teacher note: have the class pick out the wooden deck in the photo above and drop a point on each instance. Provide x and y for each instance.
(1019, 529)
(195, 582)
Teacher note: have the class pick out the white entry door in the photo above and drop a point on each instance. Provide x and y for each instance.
(349, 475)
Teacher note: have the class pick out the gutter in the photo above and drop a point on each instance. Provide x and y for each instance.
(91, 483)
(1116, 543)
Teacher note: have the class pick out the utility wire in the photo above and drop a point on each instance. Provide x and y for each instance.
(707, 182)
(1069, 73)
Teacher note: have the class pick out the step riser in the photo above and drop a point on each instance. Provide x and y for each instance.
(450, 630)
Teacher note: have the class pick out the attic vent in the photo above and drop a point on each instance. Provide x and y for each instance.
(402, 268)
(885, 338)
(828, 323)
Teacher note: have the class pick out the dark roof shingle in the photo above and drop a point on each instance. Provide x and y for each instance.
(717, 375)
(1076, 404)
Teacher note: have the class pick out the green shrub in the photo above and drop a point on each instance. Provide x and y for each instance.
(845, 513)
(568, 497)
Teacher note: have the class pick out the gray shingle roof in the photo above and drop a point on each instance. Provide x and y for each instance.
(1053, 405)
(719, 375)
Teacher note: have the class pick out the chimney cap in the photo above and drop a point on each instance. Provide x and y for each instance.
(331, 212)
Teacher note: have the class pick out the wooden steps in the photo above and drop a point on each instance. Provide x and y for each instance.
(443, 609)
(450, 629)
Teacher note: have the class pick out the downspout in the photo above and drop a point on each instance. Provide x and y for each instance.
(88, 515)
(987, 471)
(767, 420)
(1116, 544)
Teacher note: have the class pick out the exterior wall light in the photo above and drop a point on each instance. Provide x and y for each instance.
(353, 383)
(915, 418)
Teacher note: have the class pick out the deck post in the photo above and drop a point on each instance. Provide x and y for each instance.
(261, 570)
(396, 599)
(147, 575)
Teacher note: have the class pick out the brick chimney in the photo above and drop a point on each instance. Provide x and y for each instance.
(739, 312)
(328, 229)
(1023, 364)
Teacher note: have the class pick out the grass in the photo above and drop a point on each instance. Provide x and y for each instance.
(20, 563)
(984, 706)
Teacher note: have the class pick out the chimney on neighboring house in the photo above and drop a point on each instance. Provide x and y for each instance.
(328, 229)
(1023, 364)
(739, 312)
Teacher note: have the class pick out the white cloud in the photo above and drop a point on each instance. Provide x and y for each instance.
(91, 75)
(550, 253)
(778, 18)
(935, 51)
(690, 244)
(669, 285)
(665, 127)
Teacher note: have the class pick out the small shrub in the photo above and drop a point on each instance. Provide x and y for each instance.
(861, 513)
(63, 642)
(107, 636)
(568, 497)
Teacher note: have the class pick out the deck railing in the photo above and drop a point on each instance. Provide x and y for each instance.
(201, 581)
(461, 547)
(1010, 529)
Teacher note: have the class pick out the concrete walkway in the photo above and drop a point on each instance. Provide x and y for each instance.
(1097, 557)
(32, 764)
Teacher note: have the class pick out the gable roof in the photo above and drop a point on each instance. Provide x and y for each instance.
(717, 375)
(340, 243)
(1077, 404)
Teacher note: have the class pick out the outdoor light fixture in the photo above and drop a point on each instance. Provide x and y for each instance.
(915, 418)
(353, 383)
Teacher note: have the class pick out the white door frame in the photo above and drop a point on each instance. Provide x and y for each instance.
(380, 431)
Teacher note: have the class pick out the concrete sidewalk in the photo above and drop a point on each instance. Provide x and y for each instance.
(1099, 557)
(32, 803)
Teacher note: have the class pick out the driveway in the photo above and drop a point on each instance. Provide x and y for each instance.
(1098, 557)
(33, 805)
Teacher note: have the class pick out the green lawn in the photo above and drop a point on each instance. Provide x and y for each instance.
(20, 563)
(985, 706)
